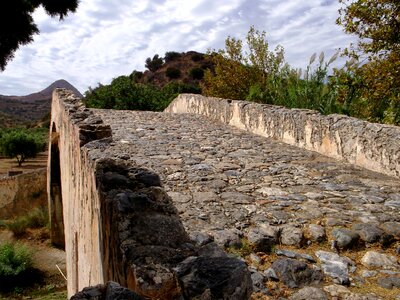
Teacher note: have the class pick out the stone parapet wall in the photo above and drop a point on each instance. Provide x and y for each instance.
(369, 145)
(74, 201)
(21, 193)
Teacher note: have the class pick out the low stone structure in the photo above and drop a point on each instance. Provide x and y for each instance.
(118, 222)
(21, 193)
(368, 145)
(151, 200)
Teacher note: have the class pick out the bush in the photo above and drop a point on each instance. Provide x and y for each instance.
(14, 259)
(171, 55)
(196, 73)
(197, 57)
(16, 267)
(155, 63)
(173, 73)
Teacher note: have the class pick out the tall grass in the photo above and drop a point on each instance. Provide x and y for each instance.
(295, 88)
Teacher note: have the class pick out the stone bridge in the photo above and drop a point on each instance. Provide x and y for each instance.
(149, 200)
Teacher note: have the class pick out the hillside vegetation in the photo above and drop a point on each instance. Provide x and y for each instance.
(366, 87)
(155, 88)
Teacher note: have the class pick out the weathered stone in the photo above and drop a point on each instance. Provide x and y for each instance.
(217, 277)
(374, 259)
(369, 233)
(392, 228)
(334, 266)
(201, 238)
(258, 282)
(263, 238)
(227, 238)
(205, 197)
(292, 254)
(309, 293)
(211, 250)
(389, 282)
(335, 290)
(255, 259)
(315, 233)
(291, 235)
(294, 273)
(110, 291)
(368, 273)
(345, 238)
(271, 274)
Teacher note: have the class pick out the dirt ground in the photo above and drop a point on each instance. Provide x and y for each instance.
(8, 164)
(45, 257)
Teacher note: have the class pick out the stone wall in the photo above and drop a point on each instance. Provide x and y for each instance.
(73, 195)
(21, 193)
(372, 146)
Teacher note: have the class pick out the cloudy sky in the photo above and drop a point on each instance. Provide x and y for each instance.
(108, 38)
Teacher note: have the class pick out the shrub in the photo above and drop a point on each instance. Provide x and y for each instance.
(197, 57)
(173, 73)
(136, 76)
(171, 55)
(155, 63)
(16, 269)
(14, 259)
(196, 73)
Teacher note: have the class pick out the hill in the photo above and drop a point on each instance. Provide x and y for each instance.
(186, 67)
(16, 110)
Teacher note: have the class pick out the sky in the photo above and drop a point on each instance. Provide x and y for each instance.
(108, 38)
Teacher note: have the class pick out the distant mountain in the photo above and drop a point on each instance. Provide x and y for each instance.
(32, 107)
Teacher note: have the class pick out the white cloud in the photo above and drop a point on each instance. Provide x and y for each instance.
(105, 39)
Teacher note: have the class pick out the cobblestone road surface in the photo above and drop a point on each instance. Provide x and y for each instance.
(283, 209)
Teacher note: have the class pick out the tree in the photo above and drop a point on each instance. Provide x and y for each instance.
(17, 26)
(377, 25)
(173, 73)
(21, 144)
(153, 64)
(236, 71)
(171, 56)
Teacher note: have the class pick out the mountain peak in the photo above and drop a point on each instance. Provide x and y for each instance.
(61, 83)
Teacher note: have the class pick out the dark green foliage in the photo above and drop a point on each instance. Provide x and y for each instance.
(172, 89)
(14, 259)
(155, 63)
(173, 73)
(16, 269)
(197, 56)
(196, 73)
(122, 93)
(136, 76)
(17, 26)
(171, 56)
(100, 97)
(22, 144)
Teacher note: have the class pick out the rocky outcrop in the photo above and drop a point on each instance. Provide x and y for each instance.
(369, 145)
